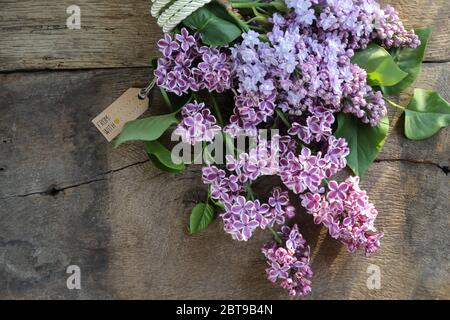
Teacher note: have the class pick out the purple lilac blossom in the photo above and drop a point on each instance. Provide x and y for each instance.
(307, 171)
(188, 66)
(242, 217)
(198, 124)
(280, 207)
(289, 262)
(390, 30)
(306, 65)
(299, 173)
(347, 213)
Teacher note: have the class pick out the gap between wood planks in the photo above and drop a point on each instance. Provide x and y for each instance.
(50, 70)
(54, 190)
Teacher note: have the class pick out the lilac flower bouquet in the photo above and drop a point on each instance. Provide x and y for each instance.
(317, 74)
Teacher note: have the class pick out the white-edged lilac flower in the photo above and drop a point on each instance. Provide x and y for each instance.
(188, 66)
(198, 124)
(167, 46)
(289, 262)
(185, 39)
(278, 271)
(243, 228)
(338, 192)
(347, 213)
(281, 208)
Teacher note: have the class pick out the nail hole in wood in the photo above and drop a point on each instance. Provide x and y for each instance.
(52, 191)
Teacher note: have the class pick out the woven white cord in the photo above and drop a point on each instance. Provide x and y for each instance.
(176, 12)
(157, 6)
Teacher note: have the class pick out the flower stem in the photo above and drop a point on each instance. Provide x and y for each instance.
(283, 117)
(217, 110)
(236, 17)
(250, 193)
(249, 5)
(394, 104)
(238, 20)
(275, 123)
(166, 98)
(208, 196)
(276, 236)
(257, 28)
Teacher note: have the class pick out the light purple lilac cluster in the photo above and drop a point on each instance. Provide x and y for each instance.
(305, 67)
(390, 30)
(347, 213)
(289, 262)
(198, 124)
(357, 21)
(188, 66)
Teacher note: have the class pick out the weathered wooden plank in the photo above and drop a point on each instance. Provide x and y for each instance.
(116, 33)
(34, 35)
(47, 139)
(41, 235)
(128, 234)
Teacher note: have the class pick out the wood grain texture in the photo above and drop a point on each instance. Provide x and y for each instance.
(67, 197)
(115, 33)
(46, 125)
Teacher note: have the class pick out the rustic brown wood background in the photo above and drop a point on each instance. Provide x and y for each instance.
(67, 197)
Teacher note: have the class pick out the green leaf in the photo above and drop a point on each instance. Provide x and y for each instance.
(219, 11)
(365, 141)
(161, 157)
(379, 65)
(214, 30)
(201, 217)
(409, 60)
(218, 204)
(147, 129)
(426, 114)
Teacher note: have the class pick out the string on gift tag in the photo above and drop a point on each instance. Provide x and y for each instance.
(145, 92)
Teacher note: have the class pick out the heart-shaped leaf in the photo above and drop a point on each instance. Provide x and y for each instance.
(161, 157)
(379, 65)
(147, 129)
(426, 114)
(409, 60)
(214, 30)
(365, 141)
(201, 217)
